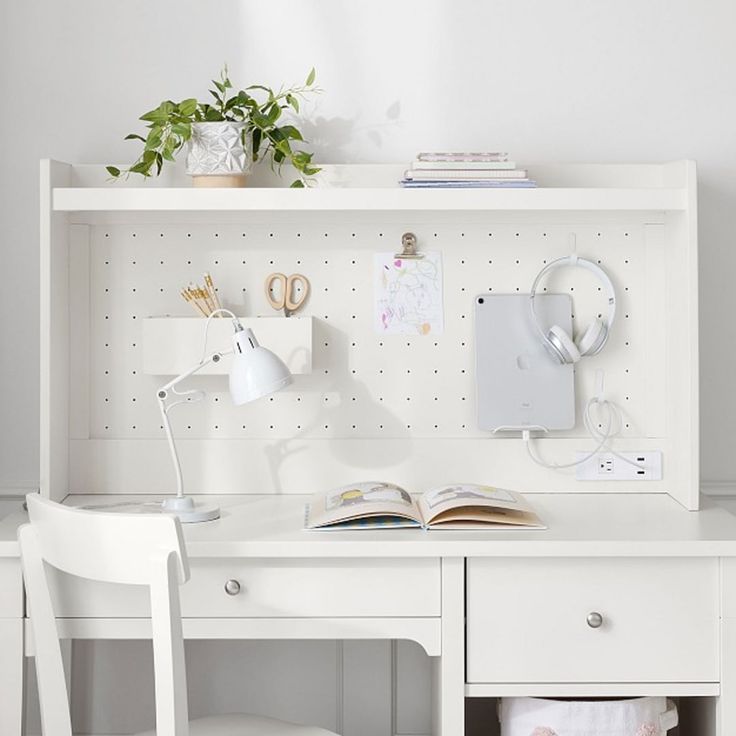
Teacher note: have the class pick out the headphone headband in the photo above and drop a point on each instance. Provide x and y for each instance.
(597, 271)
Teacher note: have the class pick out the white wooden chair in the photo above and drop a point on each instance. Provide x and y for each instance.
(129, 549)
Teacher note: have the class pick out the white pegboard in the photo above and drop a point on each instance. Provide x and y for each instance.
(363, 385)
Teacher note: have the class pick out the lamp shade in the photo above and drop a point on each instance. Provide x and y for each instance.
(255, 370)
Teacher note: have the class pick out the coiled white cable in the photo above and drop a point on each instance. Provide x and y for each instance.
(602, 432)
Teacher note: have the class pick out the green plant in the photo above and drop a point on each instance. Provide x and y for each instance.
(170, 126)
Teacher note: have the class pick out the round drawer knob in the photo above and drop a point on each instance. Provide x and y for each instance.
(594, 619)
(232, 587)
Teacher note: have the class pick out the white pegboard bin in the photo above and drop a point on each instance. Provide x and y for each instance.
(173, 345)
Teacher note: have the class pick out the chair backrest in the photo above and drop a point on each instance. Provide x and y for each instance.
(130, 549)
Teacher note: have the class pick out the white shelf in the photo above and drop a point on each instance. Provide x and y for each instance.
(375, 188)
(348, 199)
(172, 345)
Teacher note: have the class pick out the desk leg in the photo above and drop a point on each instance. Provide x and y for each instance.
(449, 668)
(12, 671)
(726, 707)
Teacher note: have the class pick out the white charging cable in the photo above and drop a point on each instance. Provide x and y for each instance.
(607, 428)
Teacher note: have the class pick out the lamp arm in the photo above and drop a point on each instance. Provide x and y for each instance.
(161, 396)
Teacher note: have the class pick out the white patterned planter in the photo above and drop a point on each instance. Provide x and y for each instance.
(217, 156)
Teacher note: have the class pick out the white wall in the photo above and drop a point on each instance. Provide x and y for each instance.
(549, 81)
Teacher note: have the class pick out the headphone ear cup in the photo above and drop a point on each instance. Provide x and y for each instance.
(594, 338)
(562, 346)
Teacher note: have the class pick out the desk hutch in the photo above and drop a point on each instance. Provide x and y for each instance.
(499, 613)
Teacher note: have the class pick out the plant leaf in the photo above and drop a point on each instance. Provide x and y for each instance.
(156, 116)
(187, 107)
(297, 184)
(274, 113)
(291, 132)
(113, 171)
(311, 77)
(134, 137)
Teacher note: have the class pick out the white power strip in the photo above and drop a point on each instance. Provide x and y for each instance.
(607, 466)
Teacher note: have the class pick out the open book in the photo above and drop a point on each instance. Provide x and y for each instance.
(373, 505)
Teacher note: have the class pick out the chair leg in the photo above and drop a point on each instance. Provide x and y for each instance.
(12, 671)
(66, 658)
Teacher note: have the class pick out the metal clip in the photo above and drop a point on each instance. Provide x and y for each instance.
(409, 247)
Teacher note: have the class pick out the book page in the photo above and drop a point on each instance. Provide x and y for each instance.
(473, 502)
(366, 500)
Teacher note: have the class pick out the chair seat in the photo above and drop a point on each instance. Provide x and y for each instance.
(241, 724)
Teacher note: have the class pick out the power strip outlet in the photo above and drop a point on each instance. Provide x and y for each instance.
(607, 466)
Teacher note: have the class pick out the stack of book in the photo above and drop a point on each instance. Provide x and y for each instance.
(465, 170)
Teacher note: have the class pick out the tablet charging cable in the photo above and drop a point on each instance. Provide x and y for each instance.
(603, 431)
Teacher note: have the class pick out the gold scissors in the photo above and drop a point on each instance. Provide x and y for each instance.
(286, 292)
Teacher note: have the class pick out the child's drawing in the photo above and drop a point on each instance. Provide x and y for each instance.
(408, 294)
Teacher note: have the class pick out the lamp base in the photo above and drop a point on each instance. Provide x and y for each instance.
(188, 511)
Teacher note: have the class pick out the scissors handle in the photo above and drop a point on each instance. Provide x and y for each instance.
(292, 303)
(278, 302)
(285, 295)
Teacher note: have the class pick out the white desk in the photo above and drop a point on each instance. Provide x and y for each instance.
(664, 579)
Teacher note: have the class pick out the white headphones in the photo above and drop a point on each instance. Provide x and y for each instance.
(562, 347)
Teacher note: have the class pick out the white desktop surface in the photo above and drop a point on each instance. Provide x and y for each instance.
(598, 525)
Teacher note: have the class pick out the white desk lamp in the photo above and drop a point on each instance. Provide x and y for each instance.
(255, 372)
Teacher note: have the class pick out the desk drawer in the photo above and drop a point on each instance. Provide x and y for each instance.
(272, 589)
(527, 620)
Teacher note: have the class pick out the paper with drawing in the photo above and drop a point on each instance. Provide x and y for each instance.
(408, 294)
